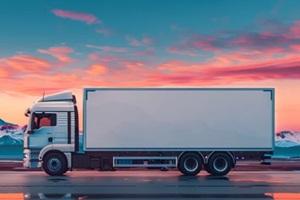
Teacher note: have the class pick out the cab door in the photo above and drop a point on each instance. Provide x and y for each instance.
(42, 135)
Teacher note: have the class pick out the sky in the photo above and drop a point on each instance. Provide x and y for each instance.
(53, 46)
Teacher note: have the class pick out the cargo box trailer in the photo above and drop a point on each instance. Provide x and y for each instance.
(184, 128)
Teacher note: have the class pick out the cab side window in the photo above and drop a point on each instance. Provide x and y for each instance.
(41, 120)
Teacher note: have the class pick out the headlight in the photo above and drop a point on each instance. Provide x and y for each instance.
(25, 155)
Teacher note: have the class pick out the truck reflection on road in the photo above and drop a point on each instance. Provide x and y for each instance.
(274, 196)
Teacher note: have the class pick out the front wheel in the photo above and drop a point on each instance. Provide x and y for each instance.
(190, 164)
(55, 164)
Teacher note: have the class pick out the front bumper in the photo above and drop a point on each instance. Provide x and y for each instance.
(30, 159)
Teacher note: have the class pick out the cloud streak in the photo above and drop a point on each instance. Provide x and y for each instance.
(61, 53)
(25, 63)
(108, 48)
(143, 42)
(265, 35)
(243, 56)
(84, 17)
(138, 74)
(105, 31)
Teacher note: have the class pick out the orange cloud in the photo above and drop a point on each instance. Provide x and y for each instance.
(4, 71)
(133, 65)
(26, 63)
(61, 53)
(97, 69)
(178, 66)
(103, 58)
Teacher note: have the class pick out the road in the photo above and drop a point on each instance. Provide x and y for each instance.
(278, 185)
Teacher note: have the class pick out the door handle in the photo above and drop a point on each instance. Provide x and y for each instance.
(50, 139)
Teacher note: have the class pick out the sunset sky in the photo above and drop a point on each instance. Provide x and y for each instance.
(52, 46)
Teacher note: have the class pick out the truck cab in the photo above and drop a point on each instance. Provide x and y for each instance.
(52, 129)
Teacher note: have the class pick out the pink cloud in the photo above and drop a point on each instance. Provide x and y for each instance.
(275, 36)
(36, 83)
(148, 41)
(193, 45)
(108, 48)
(295, 47)
(178, 50)
(242, 41)
(147, 52)
(26, 63)
(158, 79)
(103, 58)
(61, 53)
(233, 67)
(267, 33)
(133, 65)
(205, 44)
(4, 72)
(97, 69)
(87, 18)
(134, 42)
(175, 66)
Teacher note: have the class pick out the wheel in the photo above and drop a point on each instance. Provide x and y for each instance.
(190, 164)
(179, 168)
(55, 164)
(219, 164)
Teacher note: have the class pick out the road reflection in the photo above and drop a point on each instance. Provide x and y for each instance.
(284, 196)
(269, 196)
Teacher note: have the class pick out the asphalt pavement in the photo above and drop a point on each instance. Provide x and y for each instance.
(149, 184)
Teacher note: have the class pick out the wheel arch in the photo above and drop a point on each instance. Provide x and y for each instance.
(196, 152)
(233, 161)
(56, 149)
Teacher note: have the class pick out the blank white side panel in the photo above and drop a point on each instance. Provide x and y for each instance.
(203, 119)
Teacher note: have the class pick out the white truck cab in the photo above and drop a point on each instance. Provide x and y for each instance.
(51, 130)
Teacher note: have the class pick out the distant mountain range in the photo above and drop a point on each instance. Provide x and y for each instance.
(3, 123)
(12, 134)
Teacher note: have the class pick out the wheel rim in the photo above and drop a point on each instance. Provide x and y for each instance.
(220, 164)
(54, 164)
(191, 164)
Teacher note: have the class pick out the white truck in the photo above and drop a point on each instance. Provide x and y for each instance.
(187, 128)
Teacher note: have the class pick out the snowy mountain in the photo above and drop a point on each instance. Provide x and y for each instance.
(4, 123)
(12, 136)
(287, 139)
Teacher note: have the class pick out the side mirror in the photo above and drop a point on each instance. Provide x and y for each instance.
(27, 112)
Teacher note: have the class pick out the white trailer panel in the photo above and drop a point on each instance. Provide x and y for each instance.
(178, 119)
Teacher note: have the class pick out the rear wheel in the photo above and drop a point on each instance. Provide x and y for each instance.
(190, 164)
(219, 164)
(55, 164)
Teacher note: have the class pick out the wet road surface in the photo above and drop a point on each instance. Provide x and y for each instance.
(277, 185)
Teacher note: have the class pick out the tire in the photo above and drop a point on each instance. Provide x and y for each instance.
(219, 164)
(55, 164)
(179, 168)
(190, 164)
